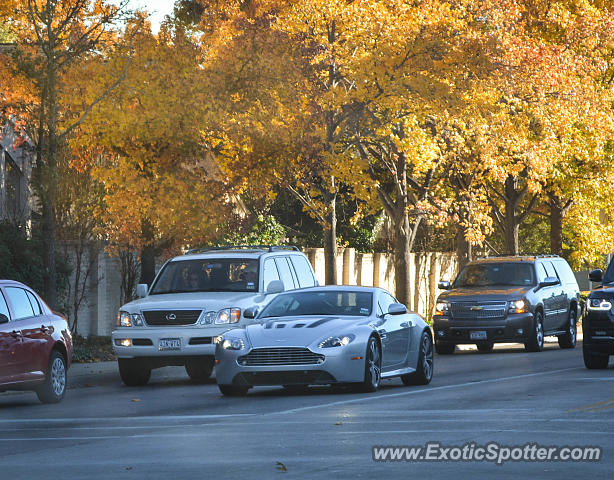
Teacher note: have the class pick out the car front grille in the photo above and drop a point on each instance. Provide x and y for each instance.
(478, 311)
(280, 356)
(171, 317)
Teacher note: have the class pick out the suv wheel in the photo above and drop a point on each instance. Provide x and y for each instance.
(594, 361)
(485, 347)
(568, 339)
(133, 372)
(536, 342)
(444, 348)
(199, 370)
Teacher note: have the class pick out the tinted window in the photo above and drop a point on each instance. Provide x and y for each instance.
(550, 271)
(4, 309)
(34, 302)
(284, 273)
(565, 273)
(330, 302)
(303, 271)
(19, 302)
(491, 273)
(541, 272)
(384, 302)
(270, 272)
(208, 275)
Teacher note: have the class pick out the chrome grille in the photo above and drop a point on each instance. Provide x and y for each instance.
(280, 356)
(171, 317)
(479, 311)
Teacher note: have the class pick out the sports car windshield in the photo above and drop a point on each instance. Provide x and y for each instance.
(492, 274)
(208, 275)
(333, 302)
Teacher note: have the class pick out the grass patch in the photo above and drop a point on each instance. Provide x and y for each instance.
(92, 349)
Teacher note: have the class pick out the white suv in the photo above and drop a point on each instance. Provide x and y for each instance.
(197, 297)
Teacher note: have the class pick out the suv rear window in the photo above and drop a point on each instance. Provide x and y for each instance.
(208, 275)
(487, 274)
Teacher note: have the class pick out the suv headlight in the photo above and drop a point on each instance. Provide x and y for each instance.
(233, 344)
(442, 308)
(598, 304)
(519, 306)
(228, 315)
(125, 319)
(340, 341)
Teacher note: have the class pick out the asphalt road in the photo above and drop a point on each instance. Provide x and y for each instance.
(172, 429)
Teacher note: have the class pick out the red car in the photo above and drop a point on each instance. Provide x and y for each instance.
(35, 344)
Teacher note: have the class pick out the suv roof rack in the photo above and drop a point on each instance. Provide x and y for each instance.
(270, 248)
(522, 255)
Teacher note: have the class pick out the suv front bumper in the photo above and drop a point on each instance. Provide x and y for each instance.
(514, 328)
(598, 332)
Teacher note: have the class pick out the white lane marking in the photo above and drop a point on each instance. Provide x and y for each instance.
(608, 379)
(422, 390)
(276, 434)
(164, 418)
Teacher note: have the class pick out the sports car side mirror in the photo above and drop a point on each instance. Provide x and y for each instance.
(141, 290)
(444, 285)
(250, 312)
(276, 286)
(596, 275)
(397, 309)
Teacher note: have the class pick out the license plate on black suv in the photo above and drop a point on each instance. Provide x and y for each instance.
(477, 335)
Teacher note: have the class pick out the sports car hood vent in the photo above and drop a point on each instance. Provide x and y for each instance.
(297, 331)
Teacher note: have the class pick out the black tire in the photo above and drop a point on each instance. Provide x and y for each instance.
(536, 342)
(594, 361)
(568, 340)
(485, 347)
(54, 387)
(199, 370)
(444, 348)
(233, 390)
(424, 368)
(133, 372)
(373, 367)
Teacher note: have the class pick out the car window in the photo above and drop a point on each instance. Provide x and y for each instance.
(494, 273)
(330, 302)
(20, 303)
(34, 302)
(270, 272)
(541, 272)
(303, 271)
(550, 271)
(384, 301)
(4, 309)
(284, 273)
(565, 273)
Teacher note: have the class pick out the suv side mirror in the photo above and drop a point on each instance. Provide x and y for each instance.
(276, 286)
(596, 275)
(4, 318)
(141, 290)
(397, 309)
(250, 312)
(549, 282)
(444, 285)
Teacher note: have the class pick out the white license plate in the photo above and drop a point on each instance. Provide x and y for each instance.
(477, 335)
(169, 344)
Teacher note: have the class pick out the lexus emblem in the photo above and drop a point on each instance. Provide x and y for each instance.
(171, 316)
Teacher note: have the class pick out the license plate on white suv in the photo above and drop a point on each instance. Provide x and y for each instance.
(477, 335)
(169, 344)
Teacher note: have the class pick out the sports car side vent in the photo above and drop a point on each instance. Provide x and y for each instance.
(280, 325)
(299, 325)
(317, 323)
(281, 356)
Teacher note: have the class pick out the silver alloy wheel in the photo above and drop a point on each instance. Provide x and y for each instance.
(374, 363)
(572, 328)
(427, 357)
(539, 333)
(58, 376)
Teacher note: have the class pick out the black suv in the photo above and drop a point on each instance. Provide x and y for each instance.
(508, 299)
(598, 320)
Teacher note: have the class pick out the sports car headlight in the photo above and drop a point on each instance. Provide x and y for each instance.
(598, 304)
(228, 315)
(124, 319)
(340, 341)
(234, 344)
(442, 308)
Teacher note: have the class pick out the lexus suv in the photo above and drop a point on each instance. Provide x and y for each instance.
(195, 298)
(598, 320)
(508, 299)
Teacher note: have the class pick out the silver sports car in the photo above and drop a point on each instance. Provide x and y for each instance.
(326, 335)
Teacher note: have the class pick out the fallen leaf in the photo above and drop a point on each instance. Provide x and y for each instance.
(281, 467)
(136, 400)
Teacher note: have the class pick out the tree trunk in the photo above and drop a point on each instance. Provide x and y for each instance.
(148, 253)
(463, 247)
(511, 221)
(330, 245)
(402, 248)
(556, 228)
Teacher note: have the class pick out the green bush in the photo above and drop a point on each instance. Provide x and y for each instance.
(92, 349)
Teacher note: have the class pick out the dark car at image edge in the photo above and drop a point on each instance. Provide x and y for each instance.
(519, 299)
(598, 320)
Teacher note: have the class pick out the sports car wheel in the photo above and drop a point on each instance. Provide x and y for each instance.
(233, 390)
(373, 367)
(568, 340)
(424, 368)
(536, 342)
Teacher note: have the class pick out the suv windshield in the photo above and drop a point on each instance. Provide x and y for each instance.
(333, 302)
(208, 275)
(487, 274)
